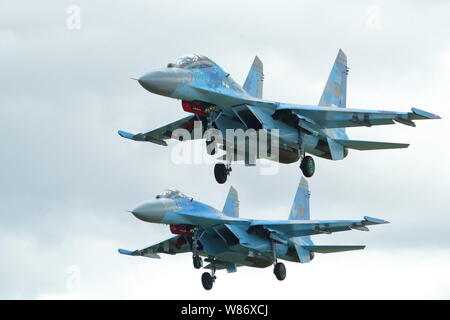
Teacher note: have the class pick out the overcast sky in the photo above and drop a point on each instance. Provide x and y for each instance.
(67, 178)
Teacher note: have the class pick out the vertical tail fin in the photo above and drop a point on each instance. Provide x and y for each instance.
(335, 91)
(254, 82)
(300, 211)
(300, 207)
(231, 207)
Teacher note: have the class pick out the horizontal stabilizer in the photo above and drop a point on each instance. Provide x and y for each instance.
(371, 145)
(332, 249)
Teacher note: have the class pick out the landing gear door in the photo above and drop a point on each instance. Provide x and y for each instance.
(248, 117)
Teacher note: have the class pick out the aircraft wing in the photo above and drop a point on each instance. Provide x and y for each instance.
(333, 249)
(159, 135)
(298, 228)
(174, 245)
(334, 117)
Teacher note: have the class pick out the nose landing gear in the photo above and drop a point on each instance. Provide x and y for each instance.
(196, 259)
(209, 279)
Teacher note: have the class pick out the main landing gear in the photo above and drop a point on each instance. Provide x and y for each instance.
(278, 269)
(221, 172)
(307, 166)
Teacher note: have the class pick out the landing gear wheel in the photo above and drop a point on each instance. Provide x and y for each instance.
(198, 262)
(280, 271)
(221, 172)
(307, 166)
(207, 281)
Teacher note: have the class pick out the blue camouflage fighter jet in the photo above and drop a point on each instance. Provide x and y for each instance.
(219, 102)
(227, 241)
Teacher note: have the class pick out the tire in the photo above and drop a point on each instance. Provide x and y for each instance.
(280, 271)
(207, 281)
(308, 166)
(220, 173)
(198, 262)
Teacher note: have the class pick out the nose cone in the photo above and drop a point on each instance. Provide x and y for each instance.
(162, 82)
(152, 211)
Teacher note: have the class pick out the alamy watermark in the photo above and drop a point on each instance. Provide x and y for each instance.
(234, 145)
(73, 18)
(73, 281)
(373, 17)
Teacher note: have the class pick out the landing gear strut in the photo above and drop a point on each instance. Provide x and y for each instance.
(196, 259)
(279, 269)
(209, 279)
(221, 172)
(307, 164)
(211, 146)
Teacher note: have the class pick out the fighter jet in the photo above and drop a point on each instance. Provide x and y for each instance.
(225, 241)
(219, 102)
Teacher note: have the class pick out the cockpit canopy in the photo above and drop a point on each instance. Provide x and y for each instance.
(191, 61)
(170, 194)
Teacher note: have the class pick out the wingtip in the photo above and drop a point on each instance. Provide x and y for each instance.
(425, 114)
(123, 251)
(375, 220)
(125, 134)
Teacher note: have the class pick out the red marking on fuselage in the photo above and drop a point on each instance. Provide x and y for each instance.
(181, 230)
(192, 107)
